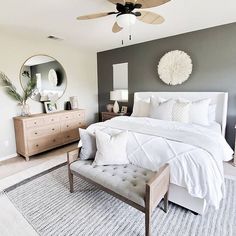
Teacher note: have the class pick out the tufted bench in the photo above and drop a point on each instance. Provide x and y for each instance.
(138, 187)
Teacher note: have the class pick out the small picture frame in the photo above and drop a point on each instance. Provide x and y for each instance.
(124, 109)
(50, 107)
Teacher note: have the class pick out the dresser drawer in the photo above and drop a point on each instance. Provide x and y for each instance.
(72, 124)
(34, 122)
(51, 120)
(71, 135)
(80, 115)
(68, 116)
(33, 133)
(37, 145)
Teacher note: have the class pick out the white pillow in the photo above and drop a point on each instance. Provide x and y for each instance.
(141, 108)
(88, 145)
(180, 112)
(111, 150)
(212, 113)
(199, 112)
(163, 111)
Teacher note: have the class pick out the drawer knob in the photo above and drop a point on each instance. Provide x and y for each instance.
(52, 119)
(35, 122)
(67, 126)
(68, 136)
(36, 133)
(36, 145)
(67, 117)
(53, 129)
(54, 140)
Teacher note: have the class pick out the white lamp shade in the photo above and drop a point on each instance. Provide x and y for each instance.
(119, 95)
(125, 20)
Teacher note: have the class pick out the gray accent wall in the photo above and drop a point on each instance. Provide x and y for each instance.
(213, 52)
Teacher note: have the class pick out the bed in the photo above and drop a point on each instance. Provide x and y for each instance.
(197, 166)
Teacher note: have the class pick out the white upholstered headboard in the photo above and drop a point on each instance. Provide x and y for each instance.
(218, 98)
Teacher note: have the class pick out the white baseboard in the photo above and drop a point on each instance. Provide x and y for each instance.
(8, 157)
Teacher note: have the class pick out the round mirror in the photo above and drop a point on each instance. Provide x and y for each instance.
(50, 78)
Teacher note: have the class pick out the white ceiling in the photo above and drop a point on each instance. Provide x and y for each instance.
(58, 17)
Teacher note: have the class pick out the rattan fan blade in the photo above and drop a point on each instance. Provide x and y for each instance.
(116, 28)
(150, 18)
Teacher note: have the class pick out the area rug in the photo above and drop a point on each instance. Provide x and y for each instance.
(51, 209)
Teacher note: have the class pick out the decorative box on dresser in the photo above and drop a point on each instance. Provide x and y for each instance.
(42, 132)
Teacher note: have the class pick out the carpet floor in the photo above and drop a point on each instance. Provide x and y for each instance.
(47, 204)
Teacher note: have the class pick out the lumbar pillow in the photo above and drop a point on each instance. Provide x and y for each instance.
(180, 111)
(141, 108)
(161, 111)
(111, 150)
(88, 145)
(199, 112)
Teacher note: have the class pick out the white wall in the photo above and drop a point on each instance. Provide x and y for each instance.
(80, 67)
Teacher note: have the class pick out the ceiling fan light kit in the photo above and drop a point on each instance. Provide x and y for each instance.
(127, 14)
(126, 20)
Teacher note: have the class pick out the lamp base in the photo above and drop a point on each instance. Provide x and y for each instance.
(116, 107)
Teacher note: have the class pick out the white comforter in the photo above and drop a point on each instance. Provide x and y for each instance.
(195, 153)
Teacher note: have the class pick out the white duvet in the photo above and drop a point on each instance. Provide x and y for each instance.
(195, 153)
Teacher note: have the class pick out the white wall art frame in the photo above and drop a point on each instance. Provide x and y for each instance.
(175, 67)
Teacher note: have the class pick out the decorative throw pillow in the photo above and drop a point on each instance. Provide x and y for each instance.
(161, 111)
(141, 108)
(88, 145)
(199, 112)
(111, 150)
(212, 113)
(180, 112)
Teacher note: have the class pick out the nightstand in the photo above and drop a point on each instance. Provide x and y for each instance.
(109, 115)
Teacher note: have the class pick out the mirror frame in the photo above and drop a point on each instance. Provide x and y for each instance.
(20, 74)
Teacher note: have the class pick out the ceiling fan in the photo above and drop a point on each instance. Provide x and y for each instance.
(126, 13)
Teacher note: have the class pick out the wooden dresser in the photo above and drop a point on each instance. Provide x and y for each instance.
(42, 132)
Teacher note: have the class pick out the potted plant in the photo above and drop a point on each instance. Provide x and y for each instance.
(12, 92)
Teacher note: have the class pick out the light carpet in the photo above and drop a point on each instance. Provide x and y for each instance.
(51, 209)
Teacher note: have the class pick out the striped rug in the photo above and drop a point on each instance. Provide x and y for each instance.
(48, 206)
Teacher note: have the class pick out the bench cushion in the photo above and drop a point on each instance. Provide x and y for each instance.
(128, 180)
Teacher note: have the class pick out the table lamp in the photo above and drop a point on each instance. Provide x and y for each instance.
(118, 95)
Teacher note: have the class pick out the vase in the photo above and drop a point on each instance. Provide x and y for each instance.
(23, 109)
(74, 102)
(116, 107)
(109, 107)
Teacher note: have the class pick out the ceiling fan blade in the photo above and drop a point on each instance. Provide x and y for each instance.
(150, 18)
(116, 28)
(121, 1)
(94, 16)
(151, 3)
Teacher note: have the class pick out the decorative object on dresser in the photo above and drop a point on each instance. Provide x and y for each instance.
(74, 102)
(175, 67)
(50, 77)
(50, 107)
(22, 99)
(110, 115)
(118, 95)
(42, 132)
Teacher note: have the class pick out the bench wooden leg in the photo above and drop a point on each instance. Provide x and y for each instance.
(166, 202)
(71, 180)
(148, 218)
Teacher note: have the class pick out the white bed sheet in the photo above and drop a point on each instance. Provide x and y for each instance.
(199, 170)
